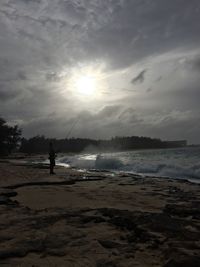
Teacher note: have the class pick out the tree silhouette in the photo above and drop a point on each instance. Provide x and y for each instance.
(9, 137)
(40, 144)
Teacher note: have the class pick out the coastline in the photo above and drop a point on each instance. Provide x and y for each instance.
(94, 219)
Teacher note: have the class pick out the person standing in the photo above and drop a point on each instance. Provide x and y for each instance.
(52, 157)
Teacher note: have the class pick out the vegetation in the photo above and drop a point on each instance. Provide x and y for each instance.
(9, 137)
(10, 140)
(40, 144)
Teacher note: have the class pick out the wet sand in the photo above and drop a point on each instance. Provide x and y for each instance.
(96, 219)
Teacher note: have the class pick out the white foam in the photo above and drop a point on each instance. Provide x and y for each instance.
(175, 163)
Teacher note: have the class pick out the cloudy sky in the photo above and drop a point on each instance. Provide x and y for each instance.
(113, 67)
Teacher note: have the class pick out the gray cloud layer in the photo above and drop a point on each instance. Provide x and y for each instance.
(41, 41)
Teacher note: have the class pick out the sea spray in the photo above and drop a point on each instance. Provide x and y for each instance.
(175, 163)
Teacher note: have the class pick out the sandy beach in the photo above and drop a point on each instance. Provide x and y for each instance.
(97, 219)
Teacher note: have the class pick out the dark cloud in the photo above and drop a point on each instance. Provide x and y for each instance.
(52, 77)
(197, 63)
(126, 113)
(149, 90)
(22, 76)
(193, 63)
(139, 78)
(7, 94)
(130, 116)
(140, 28)
(158, 79)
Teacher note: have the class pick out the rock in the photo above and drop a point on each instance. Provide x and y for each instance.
(163, 223)
(5, 254)
(131, 221)
(4, 200)
(123, 223)
(104, 263)
(139, 236)
(95, 219)
(182, 211)
(7, 192)
(191, 261)
(110, 244)
(56, 252)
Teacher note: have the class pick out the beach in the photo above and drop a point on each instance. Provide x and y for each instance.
(96, 218)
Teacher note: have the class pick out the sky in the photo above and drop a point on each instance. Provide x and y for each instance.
(104, 67)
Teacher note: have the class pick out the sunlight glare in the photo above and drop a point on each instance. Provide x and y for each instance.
(86, 85)
(87, 82)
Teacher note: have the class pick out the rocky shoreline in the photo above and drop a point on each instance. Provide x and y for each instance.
(95, 219)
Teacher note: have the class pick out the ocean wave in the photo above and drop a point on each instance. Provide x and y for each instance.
(108, 163)
(152, 163)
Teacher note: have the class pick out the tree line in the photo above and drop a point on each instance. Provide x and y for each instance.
(40, 144)
(11, 140)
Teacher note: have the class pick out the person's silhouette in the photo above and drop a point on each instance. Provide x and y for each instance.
(52, 157)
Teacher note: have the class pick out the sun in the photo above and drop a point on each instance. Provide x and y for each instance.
(86, 82)
(86, 85)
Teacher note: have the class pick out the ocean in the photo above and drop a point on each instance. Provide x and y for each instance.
(181, 163)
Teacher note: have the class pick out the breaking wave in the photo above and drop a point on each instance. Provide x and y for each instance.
(174, 163)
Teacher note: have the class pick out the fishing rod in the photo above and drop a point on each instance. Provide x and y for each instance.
(73, 126)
